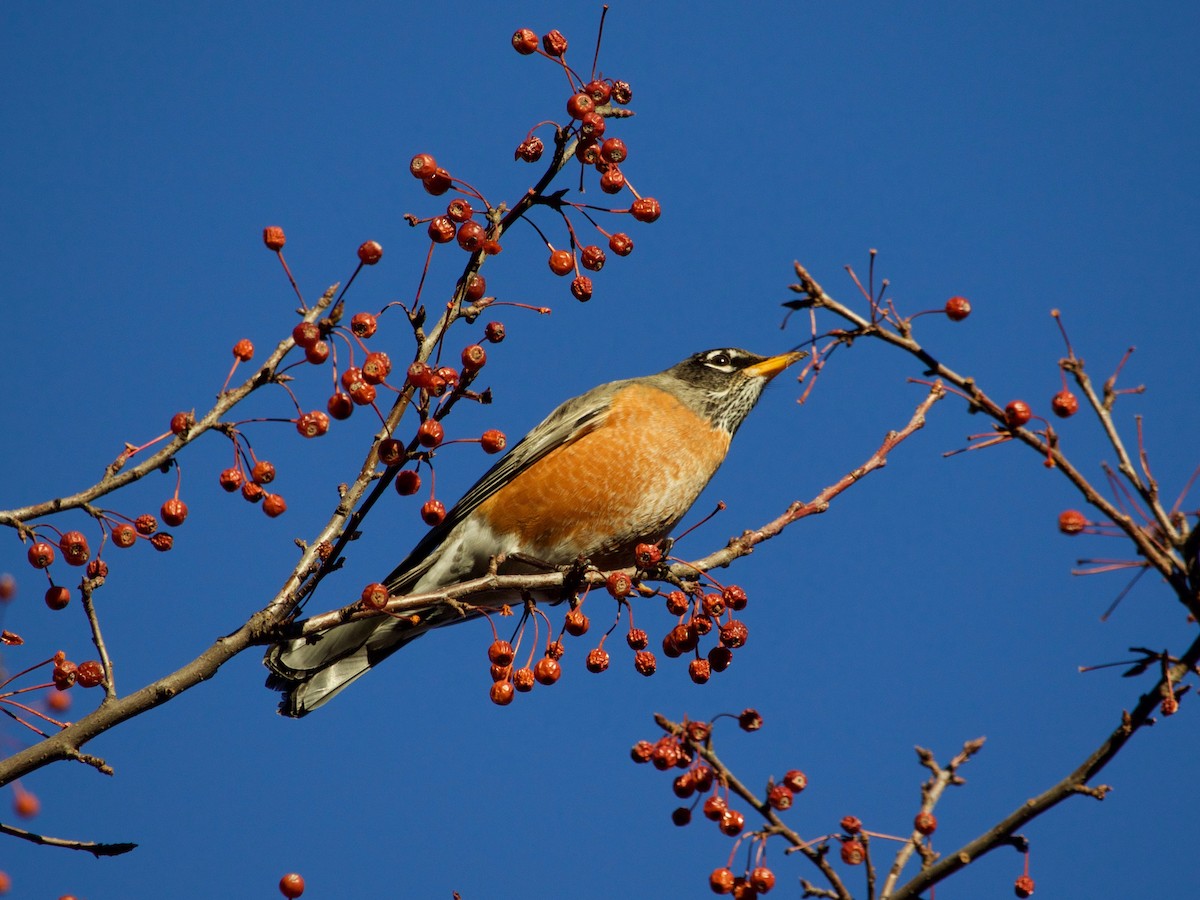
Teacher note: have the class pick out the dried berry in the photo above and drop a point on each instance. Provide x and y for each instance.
(554, 43)
(430, 433)
(273, 505)
(305, 334)
(732, 822)
(1065, 404)
(317, 353)
(230, 479)
(89, 674)
(581, 288)
(530, 149)
(750, 720)
(433, 512)
(473, 358)
(502, 692)
(592, 258)
(619, 585)
(761, 879)
(733, 634)
(547, 671)
(796, 780)
(853, 853)
(262, 473)
(274, 238)
(622, 93)
(391, 452)
(74, 547)
(97, 568)
(313, 424)
(597, 660)
(375, 596)
(641, 751)
(721, 881)
(182, 421)
(376, 367)
(614, 151)
(925, 823)
(471, 236)
(437, 183)
(493, 441)
(1023, 887)
(243, 350)
(645, 663)
(523, 680)
(851, 824)
(600, 91)
(677, 603)
(780, 797)
(576, 623)
(124, 535)
(612, 181)
(637, 639)
(441, 230)
(734, 597)
(422, 165)
(620, 244)
(494, 332)
(699, 670)
(645, 209)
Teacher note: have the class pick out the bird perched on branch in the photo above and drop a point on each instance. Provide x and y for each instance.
(617, 466)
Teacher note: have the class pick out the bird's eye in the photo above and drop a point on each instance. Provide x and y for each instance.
(721, 358)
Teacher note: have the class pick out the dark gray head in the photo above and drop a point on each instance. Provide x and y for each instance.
(724, 384)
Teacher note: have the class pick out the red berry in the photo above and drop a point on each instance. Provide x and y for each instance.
(262, 473)
(621, 92)
(376, 367)
(576, 623)
(97, 568)
(780, 797)
(90, 674)
(762, 879)
(530, 149)
(562, 262)
(273, 237)
(57, 597)
(681, 816)
(587, 151)
(459, 210)
(173, 512)
(853, 853)
(433, 512)
(493, 441)
(1023, 887)
(925, 823)
(547, 670)
(1017, 413)
(581, 288)
(370, 253)
(732, 822)
(476, 287)
(714, 605)
(441, 229)
(592, 258)
(1169, 706)
(645, 209)
(231, 479)
(362, 394)
(437, 183)
(647, 555)
(473, 358)
(699, 670)
(555, 650)
(243, 350)
(612, 181)
(471, 236)
(721, 881)
(524, 41)
(1065, 404)
(273, 505)
(720, 658)
(619, 585)
(252, 492)
(733, 634)
(291, 885)
(714, 807)
(734, 597)
(317, 353)
(305, 334)
(592, 125)
(597, 660)
(408, 482)
(501, 653)
(313, 424)
(1071, 521)
(614, 151)
(641, 751)
(430, 433)
(677, 603)
(364, 325)
(375, 596)
(750, 720)
(554, 43)
(502, 692)
(181, 422)
(796, 780)
(41, 554)
(958, 308)
(422, 165)
(340, 405)
(146, 524)
(620, 244)
(645, 663)
(523, 680)
(494, 332)
(124, 535)
(637, 639)
(162, 542)
(599, 90)
(851, 824)
(74, 548)
(391, 452)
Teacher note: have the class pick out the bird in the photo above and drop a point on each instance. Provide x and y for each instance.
(614, 467)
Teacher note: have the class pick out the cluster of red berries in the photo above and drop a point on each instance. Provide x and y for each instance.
(507, 680)
(87, 674)
(700, 781)
(250, 477)
(591, 104)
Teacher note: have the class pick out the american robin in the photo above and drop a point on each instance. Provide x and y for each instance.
(605, 471)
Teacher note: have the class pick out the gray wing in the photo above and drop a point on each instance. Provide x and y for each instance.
(567, 424)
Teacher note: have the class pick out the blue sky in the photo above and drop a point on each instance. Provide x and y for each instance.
(1030, 156)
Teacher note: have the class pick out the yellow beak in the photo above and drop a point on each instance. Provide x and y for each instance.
(773, 365)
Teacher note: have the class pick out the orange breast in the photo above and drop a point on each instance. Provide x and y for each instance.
(631, 479)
